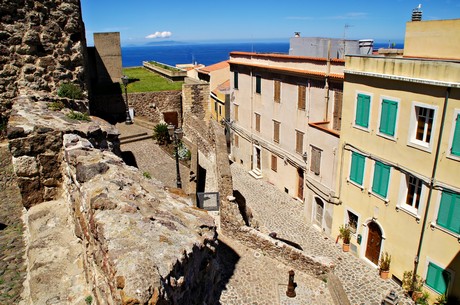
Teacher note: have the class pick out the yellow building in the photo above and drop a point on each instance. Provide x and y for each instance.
(398, 179)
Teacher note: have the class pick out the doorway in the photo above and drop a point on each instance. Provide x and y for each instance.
(319, 210)
(300, 182)
(374, 242)
(256, 160)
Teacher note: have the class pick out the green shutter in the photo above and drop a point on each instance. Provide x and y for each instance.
(357, 168)
(381, 179)
(258, 84)
(362, 110)
(388, 117)
(235, 79)
(455, 150)
(437, 278)
(449, 212)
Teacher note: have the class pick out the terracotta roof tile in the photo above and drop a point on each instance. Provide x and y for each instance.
(214, 67)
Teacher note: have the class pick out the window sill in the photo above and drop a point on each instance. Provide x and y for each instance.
(388, 137)
(420, 145)
(379, 197)
(355, 184)
(408, 212)
(366, 129)
(453, 157)
(433, 226)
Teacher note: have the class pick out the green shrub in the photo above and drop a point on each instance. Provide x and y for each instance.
(75, 115)
(70, 90)
(56, 106)
(183, 151)
(160, 133)
(89, 300)
(147, 175)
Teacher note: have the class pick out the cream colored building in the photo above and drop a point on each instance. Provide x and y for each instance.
(285, 123)
(398, 181)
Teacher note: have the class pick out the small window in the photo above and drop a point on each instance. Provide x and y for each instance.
(455, 146)
(299, 142)
(315, 163)
(258, 84)
(276, 131)
(388, 116)
(414, 192)
(257, 122)
(274, 163)
(449, 212)
(237, 141)
(235, 79)
(381, 179)
(277, 91)
(352, 221)
(437, 278)
(301, 97)
(358, 162)
(235, 112)
(362, 110)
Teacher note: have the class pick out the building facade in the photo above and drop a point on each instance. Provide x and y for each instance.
(398, 178)
(285, 123)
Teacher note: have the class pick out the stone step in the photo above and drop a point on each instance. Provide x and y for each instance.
(133, 136)
(256, 173)
(136, 138)
(144, 122)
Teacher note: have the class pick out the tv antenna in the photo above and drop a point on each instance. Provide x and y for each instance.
(345, 29)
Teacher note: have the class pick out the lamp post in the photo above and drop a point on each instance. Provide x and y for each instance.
(176, 134)
(125, 81)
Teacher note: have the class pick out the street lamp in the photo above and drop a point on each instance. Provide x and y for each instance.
(176, 135)
(125, 81)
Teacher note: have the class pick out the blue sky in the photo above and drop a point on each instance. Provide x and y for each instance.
(143, 21)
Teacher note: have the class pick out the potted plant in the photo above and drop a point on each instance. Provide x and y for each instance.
(345, 235)
(423, 298)
(384, 265)
(412, 285)
(441, 299)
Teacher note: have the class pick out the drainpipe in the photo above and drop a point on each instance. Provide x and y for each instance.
(328, 71)
(431, 185)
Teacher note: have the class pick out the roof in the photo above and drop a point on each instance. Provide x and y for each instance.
(214, 67)
(284, 56)
(223, 88)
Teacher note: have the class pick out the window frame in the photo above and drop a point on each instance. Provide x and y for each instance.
(382, 133)
(257, 121)
(371, 97)
(453, 135)
(412, 141)
(445, 227)
(346, 221)
(349, 178)
(274, 163)
(299, 144)
(301, 98)
(404, 191)
(315, 150)
(276, 131)
(258, 89)
(388, 182)
(277, 91)
(235, 79)
(442, 267)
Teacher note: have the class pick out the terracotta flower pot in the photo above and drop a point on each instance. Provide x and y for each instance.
(384, 274)
(346, 247)
(416, 295)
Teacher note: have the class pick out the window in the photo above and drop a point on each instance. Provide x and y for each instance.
(414, 191)
(257, 122)
(362, 110)
(237, 141)
(352, 221)
(437, 278)
(299, 142)
(381, 179)
(423, 125)
(455, 146)
(301, 97)
(235, 79)
(449, 212)
(358, 162)
(258, 84)
(276, 131)
(235, 107)
(277, 91)
(315, 162)
(388, 117)
(274, 163)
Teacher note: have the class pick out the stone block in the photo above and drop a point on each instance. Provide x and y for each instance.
(25, 166)
(31, 191)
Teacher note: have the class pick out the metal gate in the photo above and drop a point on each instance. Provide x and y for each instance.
(208, 201)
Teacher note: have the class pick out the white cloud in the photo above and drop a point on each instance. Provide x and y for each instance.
(164, 34)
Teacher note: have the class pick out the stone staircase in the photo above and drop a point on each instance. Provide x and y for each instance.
(256, 173)
(133, 133)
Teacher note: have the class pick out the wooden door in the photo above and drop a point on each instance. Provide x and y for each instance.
(374, 242)
(300, 183)
(319, 211)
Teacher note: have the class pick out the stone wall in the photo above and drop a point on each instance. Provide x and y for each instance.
(42, 45)
(108, 57)
(195, 99)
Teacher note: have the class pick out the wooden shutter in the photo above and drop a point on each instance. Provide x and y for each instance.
(455, 150)
(277, 91)
(315, 163)
(235, 115)
(257, 122)
(449, 212)
(274, 163)
(388, 117)
(276, 131)
(237, 141)
(299, 142)
(301, 97)
(362, 110)
(381, 179)
(337, 115)
(437, 278)
(357, 168)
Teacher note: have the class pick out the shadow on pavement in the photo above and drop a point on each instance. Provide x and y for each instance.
(129, 158)
(227, 259)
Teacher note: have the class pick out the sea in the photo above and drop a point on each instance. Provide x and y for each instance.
(202, 53)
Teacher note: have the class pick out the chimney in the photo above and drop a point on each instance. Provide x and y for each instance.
(296, 34)
(417, 13)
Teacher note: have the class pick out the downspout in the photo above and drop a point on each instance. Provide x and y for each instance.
(328, 71)
(431, 186)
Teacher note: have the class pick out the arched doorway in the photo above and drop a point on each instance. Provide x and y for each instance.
(319, 210)
(374, 242)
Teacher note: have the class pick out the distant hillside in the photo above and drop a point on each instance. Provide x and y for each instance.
(164, 43)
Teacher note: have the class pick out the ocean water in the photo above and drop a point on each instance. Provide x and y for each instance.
(202, 53)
